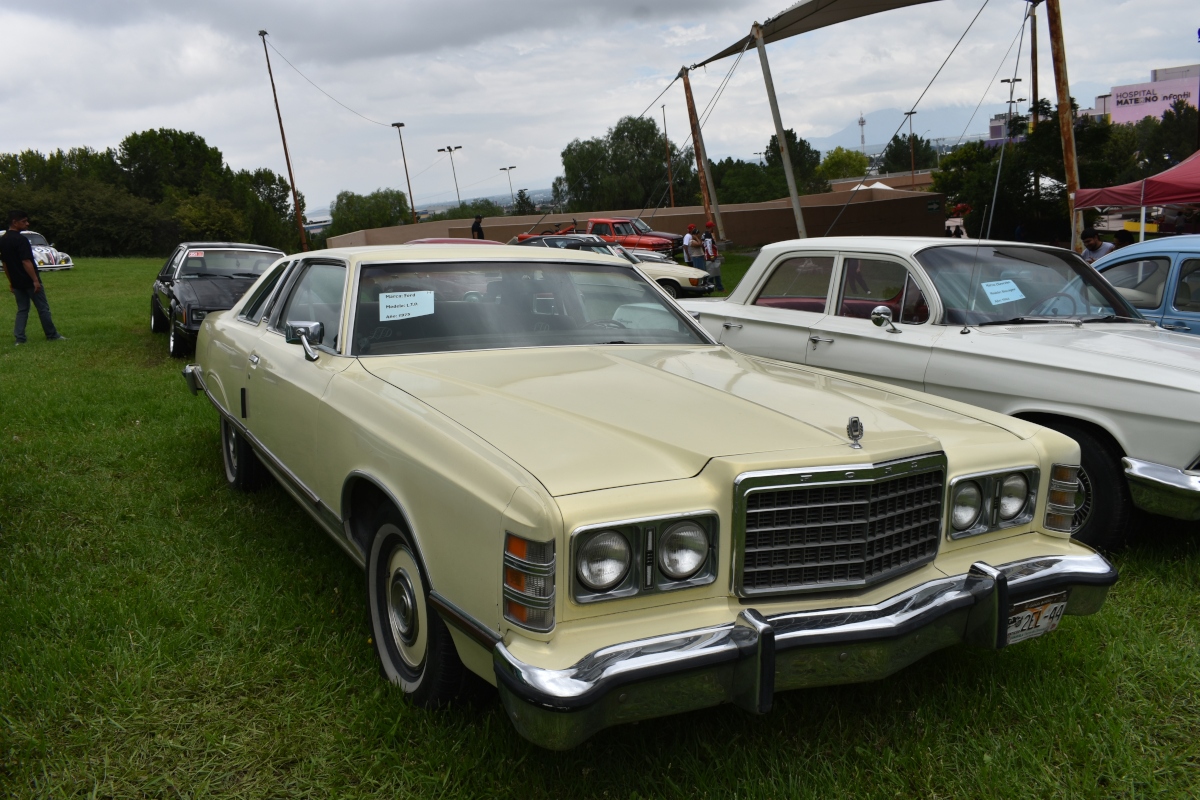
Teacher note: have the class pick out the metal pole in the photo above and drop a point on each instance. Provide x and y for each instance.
(1066, 121)
(1033, 67)
(450, 150)
(667, 145)
(412, 204)
(912, 152)
(697, 143)
(288, 159)
(510, 189)
(801, 232)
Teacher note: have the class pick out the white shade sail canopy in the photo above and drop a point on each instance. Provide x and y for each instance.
(809, 15)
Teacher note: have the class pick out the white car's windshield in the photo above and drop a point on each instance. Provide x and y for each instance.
(204, 263)
(421, 308)
(998, 284)
(36, 239)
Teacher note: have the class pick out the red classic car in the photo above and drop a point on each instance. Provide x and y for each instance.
(624, 231)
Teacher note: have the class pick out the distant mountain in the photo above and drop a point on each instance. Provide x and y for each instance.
(946, 123)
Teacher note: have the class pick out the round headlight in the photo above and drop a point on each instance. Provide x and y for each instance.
(682, 550)
(603, 560)
(968, 500)
(1014, 492)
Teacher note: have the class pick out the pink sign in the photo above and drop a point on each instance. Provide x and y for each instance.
(1132, 103)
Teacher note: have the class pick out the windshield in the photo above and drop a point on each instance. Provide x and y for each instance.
(639, 225)
(1001, 283)
(624, 229)
(36, 239)
(423, 308)
(227, 263)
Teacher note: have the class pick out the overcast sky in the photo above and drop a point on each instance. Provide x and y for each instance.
(512, 83)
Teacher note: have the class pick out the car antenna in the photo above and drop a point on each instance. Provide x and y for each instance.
(974, 264)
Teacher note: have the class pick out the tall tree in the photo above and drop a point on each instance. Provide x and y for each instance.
(382, 208)
(897, 157)
(157, 160)
(524, 204)
(840, 163)
(806, 161)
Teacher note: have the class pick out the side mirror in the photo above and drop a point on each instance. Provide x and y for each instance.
(882, 315)
(305, 334)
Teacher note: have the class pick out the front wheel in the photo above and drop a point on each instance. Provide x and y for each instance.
(669, 288)
(412, 643)
(243, 470)
(1103, 504)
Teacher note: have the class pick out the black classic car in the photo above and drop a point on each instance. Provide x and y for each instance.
(198, 279)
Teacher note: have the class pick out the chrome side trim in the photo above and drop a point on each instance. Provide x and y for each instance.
(1164, 490)
(746, 660)
(479, 633)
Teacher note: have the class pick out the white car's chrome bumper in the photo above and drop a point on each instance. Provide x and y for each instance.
(1164, 490)
(746, 661)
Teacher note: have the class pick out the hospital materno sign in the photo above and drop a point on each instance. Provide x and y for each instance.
(1132, 103)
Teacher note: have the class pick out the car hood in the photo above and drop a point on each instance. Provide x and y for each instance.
(588, 418)
(212, 293)
(1135, 343)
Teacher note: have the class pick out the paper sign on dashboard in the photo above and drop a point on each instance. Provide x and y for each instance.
(404, 305)
(1000, 292)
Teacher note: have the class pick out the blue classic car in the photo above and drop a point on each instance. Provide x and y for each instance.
(1161, 279)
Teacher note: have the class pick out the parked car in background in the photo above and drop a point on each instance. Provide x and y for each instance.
(48, 258)
(644, 229)
(1160, 278)
(676, 279)
(619, 230)
(202, 278)
(1024, 330)
(512, 474)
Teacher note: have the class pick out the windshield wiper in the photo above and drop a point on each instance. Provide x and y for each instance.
(206, 275)
(1120, 318)
(1026, 320)
(246, 274)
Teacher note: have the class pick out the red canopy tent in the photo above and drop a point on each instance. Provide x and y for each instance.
(1177, 185)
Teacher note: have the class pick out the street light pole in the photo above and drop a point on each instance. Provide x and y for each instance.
(450, 150)
(510, 191)
(412, 204)
(287, 158)
(912, 152)
(667, 145)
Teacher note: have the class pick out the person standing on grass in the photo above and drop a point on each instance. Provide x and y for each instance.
(23, 279)
(694, 248)
(712, 258)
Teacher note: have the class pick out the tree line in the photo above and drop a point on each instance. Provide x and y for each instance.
(155, 189)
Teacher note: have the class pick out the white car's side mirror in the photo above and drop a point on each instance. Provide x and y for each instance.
(882, 315)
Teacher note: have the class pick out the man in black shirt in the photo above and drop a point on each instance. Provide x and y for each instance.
(23, 281)
(477, 227)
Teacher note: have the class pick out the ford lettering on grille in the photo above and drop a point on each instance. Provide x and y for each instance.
(819, 530)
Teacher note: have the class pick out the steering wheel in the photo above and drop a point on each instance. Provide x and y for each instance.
(604, 323)
(1046, 301)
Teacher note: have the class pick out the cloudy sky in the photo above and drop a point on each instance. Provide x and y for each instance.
(511, 82)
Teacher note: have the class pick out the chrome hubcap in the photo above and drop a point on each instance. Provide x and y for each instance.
(402, 608)
(1083, 502)
(231, 448)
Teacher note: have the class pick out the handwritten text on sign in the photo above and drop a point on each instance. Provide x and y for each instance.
(404, 305)
(1000, 292)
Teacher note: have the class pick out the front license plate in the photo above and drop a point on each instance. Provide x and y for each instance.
(1035, 617)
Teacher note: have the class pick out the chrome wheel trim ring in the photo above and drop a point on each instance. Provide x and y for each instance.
(406, 612)
(1083, 503)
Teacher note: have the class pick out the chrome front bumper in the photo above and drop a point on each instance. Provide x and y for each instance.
(1164, 490)
(746, 661)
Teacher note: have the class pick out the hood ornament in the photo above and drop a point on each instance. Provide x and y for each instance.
(855, 431)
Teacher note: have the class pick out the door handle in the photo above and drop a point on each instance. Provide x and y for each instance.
(1175, 326)
(816, 340)
(253, 360)
(729, 325)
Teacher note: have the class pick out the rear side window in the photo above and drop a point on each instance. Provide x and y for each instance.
(1187, 293)
(798, 284)
(1141, 282)
(253, 311)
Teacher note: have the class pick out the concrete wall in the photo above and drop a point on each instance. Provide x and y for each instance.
(871, 212)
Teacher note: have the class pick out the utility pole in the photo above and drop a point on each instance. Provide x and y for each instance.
(412, 204)
(756, 32)
(1012, 89)
(288, 159)
(1033, 67)
(1066, 120)
(712, 211)
(510, 191)
(667, 145)
(912, 152)
(450, 150)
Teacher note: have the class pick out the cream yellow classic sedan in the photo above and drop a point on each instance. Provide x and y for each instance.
(494, 434)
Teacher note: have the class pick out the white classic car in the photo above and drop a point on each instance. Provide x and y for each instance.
(45, 254)
(1020, 329)
(491, 433)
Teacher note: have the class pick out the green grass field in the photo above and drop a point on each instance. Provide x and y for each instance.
(162, 636)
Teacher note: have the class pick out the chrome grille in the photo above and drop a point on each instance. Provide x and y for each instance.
(838, 534)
